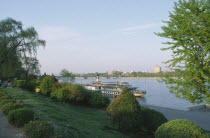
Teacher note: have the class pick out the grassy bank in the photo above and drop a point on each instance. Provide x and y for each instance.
(69, 120)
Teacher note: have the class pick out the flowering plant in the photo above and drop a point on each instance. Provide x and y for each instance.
(37, 89)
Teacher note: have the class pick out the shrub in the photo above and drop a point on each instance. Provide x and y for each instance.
(61, 94)
(2, 93)
(32, 84)
(5, 101)
(125, 111)
(153, 119)
(38, 129)
(78, 94)
(10, 107)
(180, 128)
(47, 84)
(19, 83)
(98, 100)
(20, 117)
(6, 96)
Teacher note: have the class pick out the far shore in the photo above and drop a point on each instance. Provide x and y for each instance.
(124, 77)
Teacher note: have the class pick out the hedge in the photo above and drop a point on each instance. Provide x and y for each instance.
(180, 128)
(7, 108)
(153, 119)
(20, 117)
(38, 129)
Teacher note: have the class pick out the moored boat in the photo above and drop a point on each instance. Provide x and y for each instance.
(114, 88)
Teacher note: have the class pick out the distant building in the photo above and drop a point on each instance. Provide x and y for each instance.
(126, 73)
(116, 71)
(157, 69)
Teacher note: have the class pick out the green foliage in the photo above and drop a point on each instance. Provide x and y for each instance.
(38, 129)
(74, 93)
(20, 117)
(47, 84)
(180, 128)
(70, 120)
(66, 73)
(125, 111)
(6, 96)
(5, 101)
(153, 119)
(10, 107)
(117, 74)
(79, 94)
(98, 100)
(188, 31)
(32, 84)
(2, 93)
(61, 94)
(18, 45)
(19, 83)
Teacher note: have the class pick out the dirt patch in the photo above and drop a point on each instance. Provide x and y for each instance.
(7, 130)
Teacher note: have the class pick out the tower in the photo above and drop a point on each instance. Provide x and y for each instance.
(157, 69)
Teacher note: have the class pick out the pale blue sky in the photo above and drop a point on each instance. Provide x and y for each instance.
(94, 35)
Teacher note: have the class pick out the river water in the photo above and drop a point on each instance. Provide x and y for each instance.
(157, 93)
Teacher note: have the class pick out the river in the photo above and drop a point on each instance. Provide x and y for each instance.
(157, 93)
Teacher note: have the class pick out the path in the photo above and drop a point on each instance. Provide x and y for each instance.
(6, 130)
(200, 117)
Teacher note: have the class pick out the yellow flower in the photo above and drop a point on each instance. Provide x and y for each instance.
(37, 90)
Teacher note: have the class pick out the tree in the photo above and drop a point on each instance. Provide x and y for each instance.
(125, 111)
(188, 34)
(17, 46)
(66, 74)
(31, 65)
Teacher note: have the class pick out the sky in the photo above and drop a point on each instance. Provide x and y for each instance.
(95, 35)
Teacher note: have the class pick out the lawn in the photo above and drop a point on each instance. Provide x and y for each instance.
(69, 120)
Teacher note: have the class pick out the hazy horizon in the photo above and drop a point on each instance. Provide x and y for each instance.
(95, 36)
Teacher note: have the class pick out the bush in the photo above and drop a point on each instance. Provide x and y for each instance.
(153, 119)
(79, 94)
(125, 111)
(6, 96)
(10, 107)
(47, 84)
(38, 129)
(2, 93)
(180, 128)
(5, 101)
(19, 83)
(32, 84)
(20, 117)
(61, 94)
(98, 100)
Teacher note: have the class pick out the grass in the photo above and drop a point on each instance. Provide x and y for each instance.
(69, 120)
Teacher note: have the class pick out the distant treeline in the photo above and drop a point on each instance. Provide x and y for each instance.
(132, 74)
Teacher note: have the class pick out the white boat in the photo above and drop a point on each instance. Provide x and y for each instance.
(114, 88)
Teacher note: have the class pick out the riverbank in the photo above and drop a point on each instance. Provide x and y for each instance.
(122, 77)
(200, 116)
(69, 120)
(78, 121)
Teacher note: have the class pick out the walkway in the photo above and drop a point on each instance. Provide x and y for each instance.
(200, 117)
(6, 130)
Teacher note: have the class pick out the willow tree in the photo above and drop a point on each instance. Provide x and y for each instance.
(17, 45)
(188, 36)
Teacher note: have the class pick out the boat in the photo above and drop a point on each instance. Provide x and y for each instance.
(114, 88)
